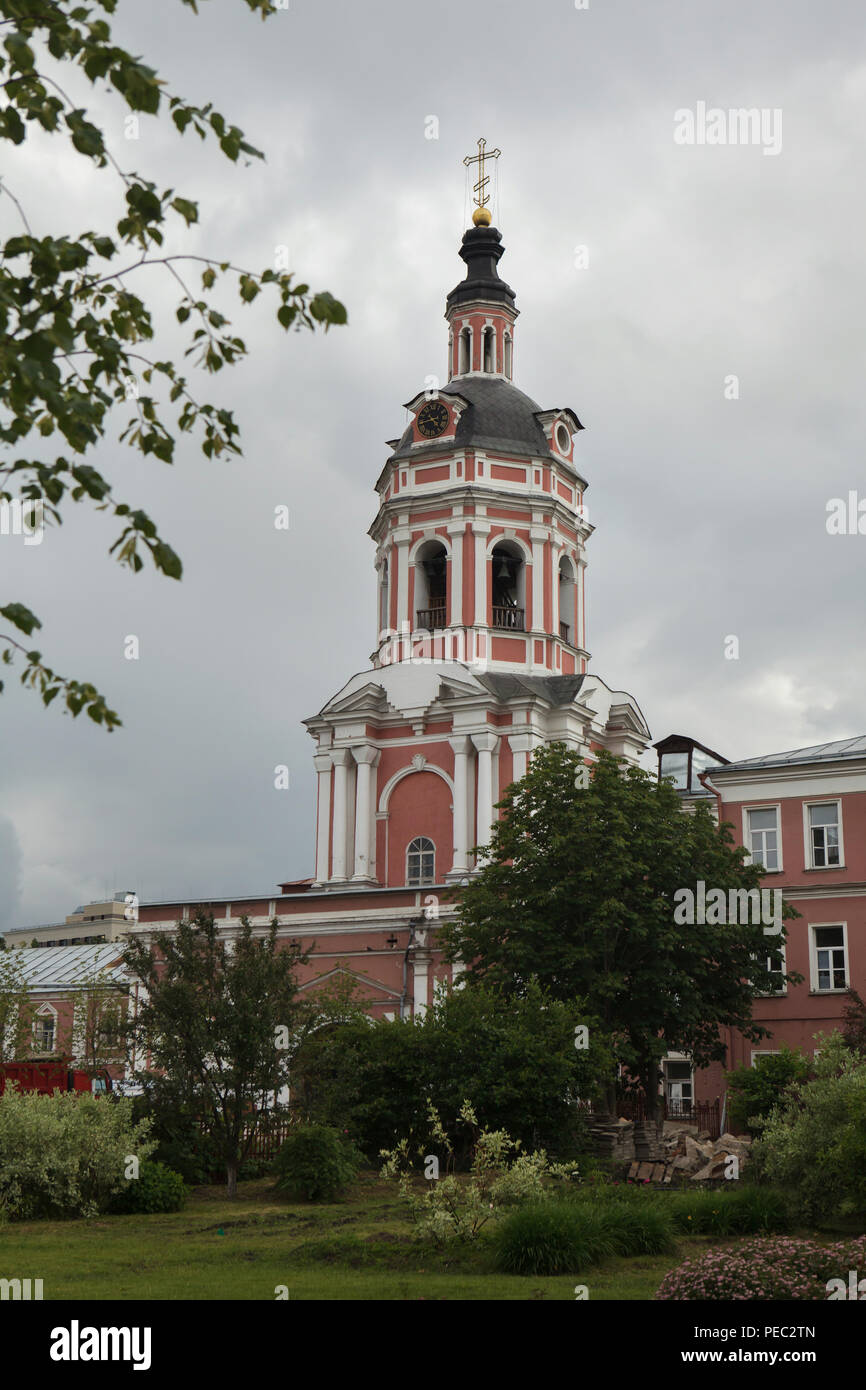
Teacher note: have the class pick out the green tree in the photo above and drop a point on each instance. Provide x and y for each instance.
(580, 890)
(216, 1027)
(854, 1022)
(75, 336)
(99, 1014)
(814, 1141)
(17, 1010)
(753, 1091)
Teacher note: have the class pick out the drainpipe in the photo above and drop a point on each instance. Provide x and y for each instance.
(704, 779)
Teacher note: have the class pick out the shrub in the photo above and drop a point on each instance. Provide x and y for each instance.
(500, 1176)
(754, 1091)
(741, 1211)
(814, 1143)
(565, 1237)
(65, 1154)
(764, 1269)
(157, 1188)
(315, 1163)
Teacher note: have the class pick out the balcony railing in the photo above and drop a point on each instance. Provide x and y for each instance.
(508, 617)
(430, 618)
(564, 631)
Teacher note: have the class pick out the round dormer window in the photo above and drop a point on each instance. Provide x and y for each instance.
(563, 438)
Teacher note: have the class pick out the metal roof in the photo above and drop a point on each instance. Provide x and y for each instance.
(66, 967)
(819, 753)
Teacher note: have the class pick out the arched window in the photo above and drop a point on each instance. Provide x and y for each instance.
(566, 600)
(431, 586)
(450, 355)
(489, 351)
(508, 358)
(465, 363)
(508, 586)
(420, 862)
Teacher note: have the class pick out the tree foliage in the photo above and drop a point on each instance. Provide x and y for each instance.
(578, 891)
(214, 1032)
(754, 1091)
(513, 1059)
(75, 335)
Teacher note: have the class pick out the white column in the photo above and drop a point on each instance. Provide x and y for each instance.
(481, 530)
(538, 535)
(519, 744)
(460, 862)
(486, 744)
(455, 531)
(340, 758)
(400, 551)
(367, 759)
(579, 598)
(322, 763)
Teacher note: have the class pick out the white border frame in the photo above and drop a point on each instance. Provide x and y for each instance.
(764, 806)
(813, 958)
(807, 842)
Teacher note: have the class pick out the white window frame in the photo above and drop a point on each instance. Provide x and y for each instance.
(45, 1013)
(813, 958)
(765, 1052)
(807, 837)
(420, 882)
(778, 993)
(747, 834)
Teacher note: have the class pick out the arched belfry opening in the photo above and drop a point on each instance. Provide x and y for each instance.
(431, 586)
(508, 586)
(567, 582)
(464, 359)
(489, 350)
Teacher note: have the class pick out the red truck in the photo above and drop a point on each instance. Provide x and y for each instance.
(47, 1077)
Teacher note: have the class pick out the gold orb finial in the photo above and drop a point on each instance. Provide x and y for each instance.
(481, 217)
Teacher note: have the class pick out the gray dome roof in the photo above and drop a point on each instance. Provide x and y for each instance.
(498, 417)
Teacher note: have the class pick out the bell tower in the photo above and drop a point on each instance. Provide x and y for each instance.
(481, 655)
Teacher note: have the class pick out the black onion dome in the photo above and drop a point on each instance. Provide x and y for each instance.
(498, 417)
(481, 249)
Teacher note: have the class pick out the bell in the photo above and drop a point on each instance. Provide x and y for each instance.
(504, 572)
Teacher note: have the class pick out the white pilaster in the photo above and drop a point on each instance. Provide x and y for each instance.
(322, 763)
(486, 745)
(455, 531)
(481, 530)
(340, 758)
(538, 535)
(460, 862)
(367, 759)
(400, 552)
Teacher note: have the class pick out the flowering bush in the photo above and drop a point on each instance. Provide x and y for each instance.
(65, 1154)
(765, 1269)
(500, 1177)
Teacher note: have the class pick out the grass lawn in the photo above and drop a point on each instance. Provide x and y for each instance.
(361, 1248)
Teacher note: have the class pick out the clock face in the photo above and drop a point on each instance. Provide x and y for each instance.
(432, 419)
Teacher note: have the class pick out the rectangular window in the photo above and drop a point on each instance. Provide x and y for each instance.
(775, 975)
(767, 1052)
(824, 838)
(831, 970)
(44, 1034)
(676, 765)
(763, 837)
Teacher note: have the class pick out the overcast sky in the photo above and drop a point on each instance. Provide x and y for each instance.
(704, 262)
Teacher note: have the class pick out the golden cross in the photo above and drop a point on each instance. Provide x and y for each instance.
(479, 189)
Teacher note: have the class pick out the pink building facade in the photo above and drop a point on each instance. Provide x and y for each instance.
(802, 814)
